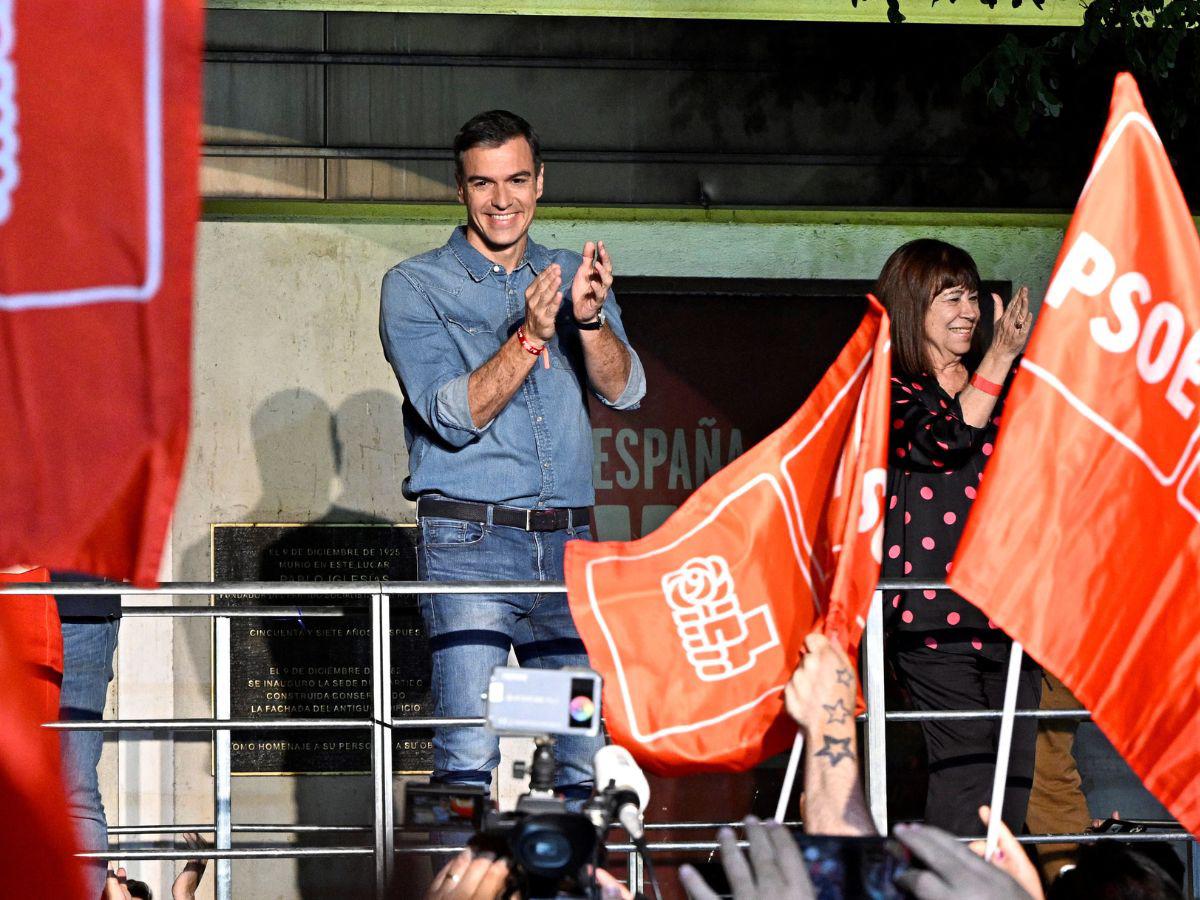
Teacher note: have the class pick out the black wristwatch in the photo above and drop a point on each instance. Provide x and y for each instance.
(595, 325)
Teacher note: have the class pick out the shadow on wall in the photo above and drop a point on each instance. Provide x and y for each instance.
(319, 466)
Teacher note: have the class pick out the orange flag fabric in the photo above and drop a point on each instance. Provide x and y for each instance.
(1084, 542)
(697, 627)
(99, 150)
(37, 839)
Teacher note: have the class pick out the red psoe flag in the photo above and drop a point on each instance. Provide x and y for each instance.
(99, 144)
(1084, 542)
(37, 838)
(697, 627)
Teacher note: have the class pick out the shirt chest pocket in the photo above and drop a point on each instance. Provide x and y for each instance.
(476, 338)
(462, 324)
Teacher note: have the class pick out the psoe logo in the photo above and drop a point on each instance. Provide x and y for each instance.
(10, 171)
(720, 639)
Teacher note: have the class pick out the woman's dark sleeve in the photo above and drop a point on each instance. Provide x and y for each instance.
(928, 431)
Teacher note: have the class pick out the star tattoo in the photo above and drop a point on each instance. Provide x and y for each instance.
(844, 677)
(835, 750)
(838, 712)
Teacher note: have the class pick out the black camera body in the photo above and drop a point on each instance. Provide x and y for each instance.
(550, 848)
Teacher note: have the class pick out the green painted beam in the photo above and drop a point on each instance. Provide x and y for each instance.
(1057, 13)
(451, 213)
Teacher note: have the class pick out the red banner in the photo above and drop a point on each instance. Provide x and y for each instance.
(1084, 542)
(698, 626)
(37, 839)
(99, 144)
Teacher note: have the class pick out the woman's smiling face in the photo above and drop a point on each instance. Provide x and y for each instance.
(950, 323)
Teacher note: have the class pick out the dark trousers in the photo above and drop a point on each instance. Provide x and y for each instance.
(962, 753)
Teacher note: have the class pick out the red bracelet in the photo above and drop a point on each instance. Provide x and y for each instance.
(988, 387)
(531, 348)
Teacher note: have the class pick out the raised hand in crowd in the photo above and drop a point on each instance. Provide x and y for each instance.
(778, 872)
(471, 876)
(1011, 857)
(951, 871)
(821, 697)
(116, 886)
(188, 880)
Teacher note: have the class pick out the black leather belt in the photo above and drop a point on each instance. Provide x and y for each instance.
(510, 516)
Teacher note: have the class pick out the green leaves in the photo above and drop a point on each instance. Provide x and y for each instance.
(1157, 40)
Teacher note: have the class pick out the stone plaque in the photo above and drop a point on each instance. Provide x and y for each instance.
(318, 667)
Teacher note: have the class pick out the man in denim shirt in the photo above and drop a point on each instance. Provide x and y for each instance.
(495, 341)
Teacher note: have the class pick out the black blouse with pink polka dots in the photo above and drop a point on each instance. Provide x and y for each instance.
(935, 464)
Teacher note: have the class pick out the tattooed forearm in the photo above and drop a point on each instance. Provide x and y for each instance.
(836, 749)
(838, 713)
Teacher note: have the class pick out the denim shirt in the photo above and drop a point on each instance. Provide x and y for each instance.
(442, 315)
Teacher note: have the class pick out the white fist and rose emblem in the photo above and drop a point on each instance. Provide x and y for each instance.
(719, 637)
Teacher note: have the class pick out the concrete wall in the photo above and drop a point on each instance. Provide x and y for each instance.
(286, 344)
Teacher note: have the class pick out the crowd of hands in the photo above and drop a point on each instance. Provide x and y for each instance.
(772, 867)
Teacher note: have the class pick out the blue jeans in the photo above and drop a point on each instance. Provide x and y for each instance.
(88, 647)
(470, 634)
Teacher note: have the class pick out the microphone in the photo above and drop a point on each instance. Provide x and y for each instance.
(623, 784)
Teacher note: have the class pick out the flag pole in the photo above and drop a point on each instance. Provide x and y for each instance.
(789, 777)
(1007, 717)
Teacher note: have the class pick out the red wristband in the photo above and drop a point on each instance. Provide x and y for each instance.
(531, 348)
(988, 387)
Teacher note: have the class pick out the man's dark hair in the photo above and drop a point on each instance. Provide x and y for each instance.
(1109, 870)
(491, 129)
(139, 890)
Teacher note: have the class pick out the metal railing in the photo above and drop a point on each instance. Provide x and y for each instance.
(384, 848)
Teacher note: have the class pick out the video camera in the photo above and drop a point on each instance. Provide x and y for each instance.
(554, 849)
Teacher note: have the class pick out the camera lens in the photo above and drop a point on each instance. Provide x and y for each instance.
(545, 850)
(553, 844)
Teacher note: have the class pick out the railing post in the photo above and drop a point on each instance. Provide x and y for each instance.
(637, 874)
(381, 740)
(222, 759)
(876, 724)
(1193, 869)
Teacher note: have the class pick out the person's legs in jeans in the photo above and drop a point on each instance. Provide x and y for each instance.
(546, 638)
(469, 635)
(88, 647)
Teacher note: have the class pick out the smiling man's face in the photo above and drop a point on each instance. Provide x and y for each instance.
(500, 189)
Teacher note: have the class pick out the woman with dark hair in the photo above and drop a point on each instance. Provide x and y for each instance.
(953, 354)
